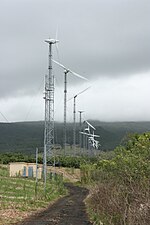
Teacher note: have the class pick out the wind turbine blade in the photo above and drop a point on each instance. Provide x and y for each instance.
(57, 50)
(95, 135)
(78, 93)
(90, 124)
(83, 90)
(56, 45)
(85, 133)
(60, 65)
(77, 75)
(91, 135)
(70, 99)
(56, 32)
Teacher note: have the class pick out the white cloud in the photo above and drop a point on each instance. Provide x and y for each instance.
(116, 99)
(119, 99)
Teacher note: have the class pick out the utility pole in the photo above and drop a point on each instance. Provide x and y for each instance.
(80, 129)
(36, 183)
(74, 123)
(36, 165)
(49, 110)
(65, 107)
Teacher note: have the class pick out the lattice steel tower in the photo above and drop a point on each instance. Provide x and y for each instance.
(49, 109)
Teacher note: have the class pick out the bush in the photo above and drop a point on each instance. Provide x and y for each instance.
(121, 194)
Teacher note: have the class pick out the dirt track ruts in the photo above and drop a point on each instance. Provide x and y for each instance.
(69, 210)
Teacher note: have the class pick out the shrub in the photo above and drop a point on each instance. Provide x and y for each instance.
(121, 194)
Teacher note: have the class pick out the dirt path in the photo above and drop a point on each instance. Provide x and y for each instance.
(69, 210)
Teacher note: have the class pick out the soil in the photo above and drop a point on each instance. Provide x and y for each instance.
(69, 210)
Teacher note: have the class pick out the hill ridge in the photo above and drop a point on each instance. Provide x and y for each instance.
(26, 136)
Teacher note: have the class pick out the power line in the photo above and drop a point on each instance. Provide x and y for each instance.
(33, 101)
(4, 117)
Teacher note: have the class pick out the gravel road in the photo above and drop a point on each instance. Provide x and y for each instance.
(69, 210)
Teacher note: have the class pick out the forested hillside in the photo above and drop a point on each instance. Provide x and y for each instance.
(26, 136)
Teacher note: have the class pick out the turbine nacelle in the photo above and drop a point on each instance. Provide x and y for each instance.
(67, 70)
(87, 129)
(51, 41)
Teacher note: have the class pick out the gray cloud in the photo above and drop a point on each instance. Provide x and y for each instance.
(97, 39)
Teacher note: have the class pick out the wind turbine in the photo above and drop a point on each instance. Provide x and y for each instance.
(87, 129)
(74, 114)
(90, 135)
(66, 71)
(49, 109)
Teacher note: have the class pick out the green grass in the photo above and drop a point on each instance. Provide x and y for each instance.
(4, 172)
(23, 194)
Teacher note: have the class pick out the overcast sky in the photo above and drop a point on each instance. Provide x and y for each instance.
(107, 41)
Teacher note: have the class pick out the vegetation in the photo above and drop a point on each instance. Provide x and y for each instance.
(22, 195)
(64, 161)
(6, 158)
(73, 162)
(26, 136)
(121, 190)
(119, 180)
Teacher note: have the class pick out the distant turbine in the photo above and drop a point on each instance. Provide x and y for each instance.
(90, 136)
(66, 71)
(74, 115)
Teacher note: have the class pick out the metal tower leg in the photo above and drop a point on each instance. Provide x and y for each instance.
(49, 110)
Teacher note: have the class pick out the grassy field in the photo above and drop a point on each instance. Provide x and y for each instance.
(20, 197)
